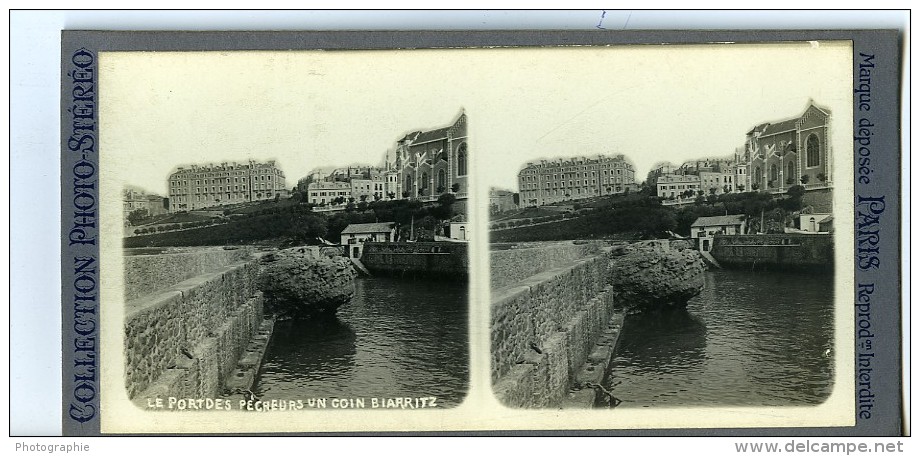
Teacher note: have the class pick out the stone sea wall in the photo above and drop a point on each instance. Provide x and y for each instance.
(145, 274)
(814, 252)
(186, 340)
(429, 259)
(545, 327)
(518, 261)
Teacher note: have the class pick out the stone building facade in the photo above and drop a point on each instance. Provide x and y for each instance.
(324, 193)
(430, 163)
(551, 181)
(790, 152)
(675, 185)
(198, 187)
(133, 200)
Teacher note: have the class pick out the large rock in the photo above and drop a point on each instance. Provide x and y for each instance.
(300, 284)
(655, 275)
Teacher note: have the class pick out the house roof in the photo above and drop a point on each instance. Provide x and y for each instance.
(719, 220)
(368, 228)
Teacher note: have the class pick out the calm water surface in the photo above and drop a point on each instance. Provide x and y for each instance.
(396, 338)
(758, 339)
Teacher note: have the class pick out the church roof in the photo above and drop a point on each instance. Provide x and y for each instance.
(780, 127)
(433, 135)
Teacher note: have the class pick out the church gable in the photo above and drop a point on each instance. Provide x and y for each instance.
(813, 117)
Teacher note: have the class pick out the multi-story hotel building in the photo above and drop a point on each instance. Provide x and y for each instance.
(198, 187)
(550, 181)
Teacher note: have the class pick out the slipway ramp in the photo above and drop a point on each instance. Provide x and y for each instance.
(360, 266)
(710, 259)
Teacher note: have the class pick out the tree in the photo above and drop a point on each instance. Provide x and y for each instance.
(455, 188)
(796, 191)
(137, 216)
(447, 199)
(805, 178)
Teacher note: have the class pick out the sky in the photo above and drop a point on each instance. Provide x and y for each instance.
(311, 109)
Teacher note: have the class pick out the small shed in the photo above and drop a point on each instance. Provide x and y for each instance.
(704, 228)
(355, 235)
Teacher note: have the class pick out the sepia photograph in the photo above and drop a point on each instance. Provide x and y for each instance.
(668, 239)
(287, 246)
(300, 241)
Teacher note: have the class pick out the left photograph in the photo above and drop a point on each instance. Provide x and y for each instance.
(293, 232)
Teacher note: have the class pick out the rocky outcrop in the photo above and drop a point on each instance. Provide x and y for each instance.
(298, 284)
(655, 275)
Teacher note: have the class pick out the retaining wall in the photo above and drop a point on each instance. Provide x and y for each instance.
(186, 340)
(443, 259)
(146, 274)
(808, 251)
(519, 261)
(545, 327)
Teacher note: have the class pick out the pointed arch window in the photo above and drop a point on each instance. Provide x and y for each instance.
(812, 151)
(461, 160)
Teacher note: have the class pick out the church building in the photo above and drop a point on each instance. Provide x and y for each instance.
(796, 151)
(434, 162)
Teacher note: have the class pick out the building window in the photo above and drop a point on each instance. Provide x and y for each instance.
(442, 180)
(461, 160)
(774, 172)
(811, 151)
(790, 172)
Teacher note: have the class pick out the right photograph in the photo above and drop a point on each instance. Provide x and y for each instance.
(664, 236)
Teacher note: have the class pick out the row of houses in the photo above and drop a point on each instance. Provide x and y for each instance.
(775, 156)
(428, 163)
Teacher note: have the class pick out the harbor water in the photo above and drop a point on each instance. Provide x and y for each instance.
(396, 338)
(749, 339)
